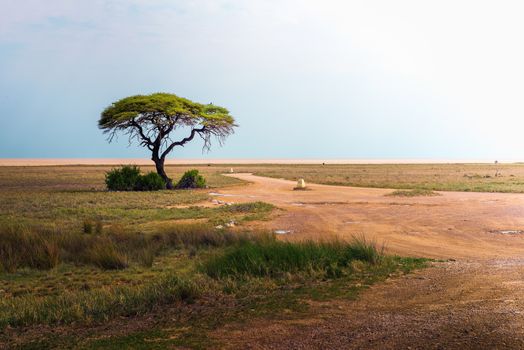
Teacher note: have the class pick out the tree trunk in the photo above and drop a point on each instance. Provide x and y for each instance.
(159, 163)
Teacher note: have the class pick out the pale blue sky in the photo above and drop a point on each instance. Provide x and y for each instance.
(304, 79)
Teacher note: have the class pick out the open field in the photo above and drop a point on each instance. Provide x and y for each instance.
(169, 278)
(441, 177)
(80, 265)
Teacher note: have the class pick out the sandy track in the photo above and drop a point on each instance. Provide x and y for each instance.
(475, 302)
(453, 225)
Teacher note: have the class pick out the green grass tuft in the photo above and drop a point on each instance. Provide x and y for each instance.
(276, 258)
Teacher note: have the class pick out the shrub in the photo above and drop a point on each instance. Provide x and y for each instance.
(122, 179)
(191, 179)
(150, 182)
(128, 178)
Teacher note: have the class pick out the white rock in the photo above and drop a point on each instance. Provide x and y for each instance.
(282, 232)
(231, 171)
(301, 183)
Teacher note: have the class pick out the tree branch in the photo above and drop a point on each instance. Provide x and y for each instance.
(146, 139)
(183, 141)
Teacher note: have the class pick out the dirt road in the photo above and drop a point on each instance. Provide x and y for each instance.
(475, 302)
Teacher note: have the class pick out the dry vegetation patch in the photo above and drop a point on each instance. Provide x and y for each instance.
(413, 193)
(436, 177)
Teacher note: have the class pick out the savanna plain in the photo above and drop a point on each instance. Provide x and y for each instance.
(369, 256)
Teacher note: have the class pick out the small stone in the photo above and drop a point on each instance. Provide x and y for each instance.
(301, 183)
(231, 171)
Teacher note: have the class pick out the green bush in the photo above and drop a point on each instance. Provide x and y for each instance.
(191, 179)
(128, 178)
(123, 179)
(150, 182)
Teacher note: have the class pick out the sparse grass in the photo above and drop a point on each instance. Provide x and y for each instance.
(33, 247)
(71, 252)
(436, 177)
(99, 304)
(413, 193)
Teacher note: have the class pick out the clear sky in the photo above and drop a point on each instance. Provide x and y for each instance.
(304, 79)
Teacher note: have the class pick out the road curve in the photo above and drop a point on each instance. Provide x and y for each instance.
(473, 302)
(453, 225)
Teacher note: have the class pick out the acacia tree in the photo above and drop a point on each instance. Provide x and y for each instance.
(154, 120)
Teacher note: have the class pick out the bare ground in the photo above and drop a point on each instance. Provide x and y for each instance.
(475, 301)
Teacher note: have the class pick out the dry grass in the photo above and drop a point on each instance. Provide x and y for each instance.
(413, 193)
(437, 177)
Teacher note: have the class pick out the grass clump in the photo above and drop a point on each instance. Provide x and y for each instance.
(22, 247)
(191, 179)
(104, 254)
(45, 248)
(274, 258)
(94, 305)
(413, 193)
(202, 236)
(249, 207)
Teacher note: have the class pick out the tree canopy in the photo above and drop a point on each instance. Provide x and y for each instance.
(152, 119)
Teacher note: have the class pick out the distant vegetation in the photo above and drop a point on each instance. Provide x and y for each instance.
(435, 177)
(413, 193)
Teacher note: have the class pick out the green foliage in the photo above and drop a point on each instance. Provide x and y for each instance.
(275, 258)
(123, 179)
(150, 182)
(191, 179)
(128, 178)
(169, 105)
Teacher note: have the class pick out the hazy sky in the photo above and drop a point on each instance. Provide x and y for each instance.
(310, 79)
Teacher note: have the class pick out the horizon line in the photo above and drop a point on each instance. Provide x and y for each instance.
(201, 161)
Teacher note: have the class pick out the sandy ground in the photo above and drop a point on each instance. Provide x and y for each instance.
(475, 301)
